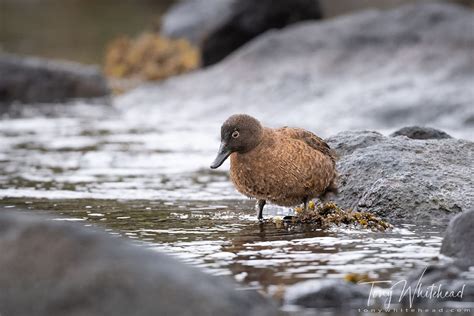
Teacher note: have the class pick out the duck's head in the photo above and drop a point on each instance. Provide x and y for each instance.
(240, 133)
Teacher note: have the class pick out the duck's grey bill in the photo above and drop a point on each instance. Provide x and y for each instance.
(222, 155)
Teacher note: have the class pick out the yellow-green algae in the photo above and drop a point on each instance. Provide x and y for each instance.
(325, 215)
(150, 57)
(358, 277)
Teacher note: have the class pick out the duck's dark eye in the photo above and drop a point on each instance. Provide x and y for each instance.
(235, 134)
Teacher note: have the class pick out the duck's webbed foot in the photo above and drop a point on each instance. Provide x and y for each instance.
(261, 204)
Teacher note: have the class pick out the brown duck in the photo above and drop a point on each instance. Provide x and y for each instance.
(286, 166)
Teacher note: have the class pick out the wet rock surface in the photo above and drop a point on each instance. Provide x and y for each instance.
(377, 70)
(222, 28)
(399, 178)
(458, 242)
(35, 80)
(52, 268)
(420, 132)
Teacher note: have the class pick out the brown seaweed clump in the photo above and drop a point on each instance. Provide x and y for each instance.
(149, 57)
(328, 214)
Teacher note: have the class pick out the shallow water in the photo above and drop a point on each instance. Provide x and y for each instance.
(225, 238)
(149, 181)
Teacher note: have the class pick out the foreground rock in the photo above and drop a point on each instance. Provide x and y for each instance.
(447, 288)
(220, 27)
(51, 268)
(399, 178)
(449, 283)
(458, 241)
(337, 294)
(376, 70)
(437, 286)
(35, 80)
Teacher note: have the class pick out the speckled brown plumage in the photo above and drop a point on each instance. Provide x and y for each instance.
(286, 166)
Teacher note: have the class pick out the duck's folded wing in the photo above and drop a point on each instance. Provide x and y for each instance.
(310, 139)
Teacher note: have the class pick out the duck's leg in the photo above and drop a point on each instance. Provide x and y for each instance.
(261, 204)
(305, 203)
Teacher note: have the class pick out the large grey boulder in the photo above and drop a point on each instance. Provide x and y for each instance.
(406, 179)
(458, 241)
(375, 70)
(49, 268)
(220, 27)
(37, 80)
